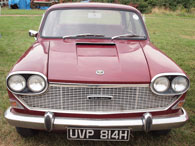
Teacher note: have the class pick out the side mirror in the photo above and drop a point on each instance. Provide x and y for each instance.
(33, 33)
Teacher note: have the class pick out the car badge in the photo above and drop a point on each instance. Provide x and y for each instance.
(99, 72)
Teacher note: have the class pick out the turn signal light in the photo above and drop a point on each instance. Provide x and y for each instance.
(179, 105)
(15, 104)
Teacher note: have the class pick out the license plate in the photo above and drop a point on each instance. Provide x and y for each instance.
(98, 134)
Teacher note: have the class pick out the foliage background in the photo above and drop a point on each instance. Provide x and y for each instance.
(145, 6)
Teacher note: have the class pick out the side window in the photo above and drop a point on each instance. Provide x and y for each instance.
(133, 24)
(129, 23)
(137, 24)
(49, 24)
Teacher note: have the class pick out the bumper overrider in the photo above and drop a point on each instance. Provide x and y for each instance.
(49, 122)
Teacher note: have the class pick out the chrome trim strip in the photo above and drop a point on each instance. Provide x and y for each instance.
(27, 72)
(61, 123)
(99, 97)
(168, 74)
(97, 85)
(41, 21)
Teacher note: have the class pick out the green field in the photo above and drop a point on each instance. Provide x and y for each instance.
(7, 11)
(174, 35)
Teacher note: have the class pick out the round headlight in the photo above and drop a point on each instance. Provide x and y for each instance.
(36, 83)
(16, 83)
(161, 84)
(179, 84)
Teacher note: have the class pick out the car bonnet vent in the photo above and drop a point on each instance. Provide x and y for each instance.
(96, 49)
(95, 43)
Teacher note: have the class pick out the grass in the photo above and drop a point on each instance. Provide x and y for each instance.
(7, 11)
(172, 34)
(178, 13)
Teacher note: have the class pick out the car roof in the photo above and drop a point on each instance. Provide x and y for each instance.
(92, 5)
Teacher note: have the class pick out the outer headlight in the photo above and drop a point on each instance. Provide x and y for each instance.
(36, 83)
(16, 83)
(161, 84)
(179, 84)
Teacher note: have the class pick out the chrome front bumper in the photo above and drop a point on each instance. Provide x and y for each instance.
(61, 123)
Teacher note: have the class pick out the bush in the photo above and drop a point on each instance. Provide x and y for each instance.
(145, 6)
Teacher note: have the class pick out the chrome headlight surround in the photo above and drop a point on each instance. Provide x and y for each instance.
(179, 84)
(36, 83)
(16, 83)
(171, 77)
(26, 75)
(161, 84)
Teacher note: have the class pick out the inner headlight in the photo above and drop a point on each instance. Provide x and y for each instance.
(16, 83)
(161, 84)
(36, 83)
(179, 84)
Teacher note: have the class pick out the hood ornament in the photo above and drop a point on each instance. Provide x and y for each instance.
(100, 72)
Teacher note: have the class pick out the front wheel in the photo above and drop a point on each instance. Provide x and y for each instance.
(24, 132)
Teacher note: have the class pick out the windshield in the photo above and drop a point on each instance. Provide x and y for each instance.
(96, 22)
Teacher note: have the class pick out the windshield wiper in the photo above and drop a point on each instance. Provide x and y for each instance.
(83, 35)
(126, 35)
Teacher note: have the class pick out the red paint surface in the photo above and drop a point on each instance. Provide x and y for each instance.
(92, 5)
(158, 62)
(34, 59)
(123, 62)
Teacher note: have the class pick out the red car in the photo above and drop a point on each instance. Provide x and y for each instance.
(94, 73)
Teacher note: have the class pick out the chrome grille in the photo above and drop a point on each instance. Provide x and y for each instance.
(74, 97)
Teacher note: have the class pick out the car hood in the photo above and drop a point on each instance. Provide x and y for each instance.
(121, 61)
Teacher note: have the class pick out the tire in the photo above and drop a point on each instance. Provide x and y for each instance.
(160, 132)
(24, 132)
